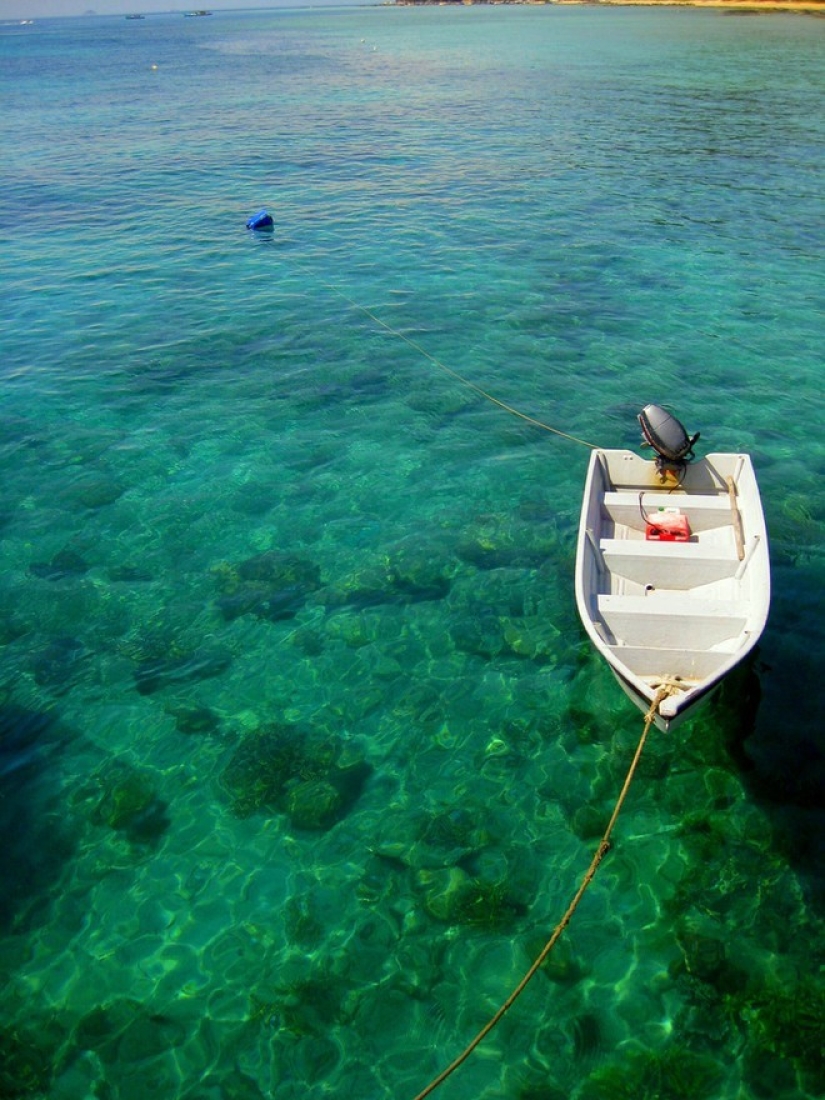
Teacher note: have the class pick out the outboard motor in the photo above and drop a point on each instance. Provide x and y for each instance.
(668, 438)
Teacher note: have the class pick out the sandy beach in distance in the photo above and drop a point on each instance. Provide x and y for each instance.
(745, 7)
(749, 6)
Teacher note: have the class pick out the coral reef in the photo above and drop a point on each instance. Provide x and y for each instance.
(283, 768)
(272, 585)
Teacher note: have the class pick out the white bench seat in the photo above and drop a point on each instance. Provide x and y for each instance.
(680, 565)
(662, 621)
(704, 512)
(688, 664)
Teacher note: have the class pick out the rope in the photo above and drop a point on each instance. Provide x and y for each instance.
(664, 691)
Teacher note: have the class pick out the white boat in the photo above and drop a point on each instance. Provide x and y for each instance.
(672, 567)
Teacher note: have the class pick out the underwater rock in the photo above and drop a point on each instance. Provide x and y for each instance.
(410, 572)
(272, 585)
(479, 631)
(797, 527)
(315, 804)
(451, 836)
(369, 383)
(454, 897)
(61, 664)
(64, 564)
(303, 926)
(274, 606)
(194, 720)
(152, 675)
(354, 628)
(127, 1032)
(318, 804)
(130, 805)
(148, 1035)
(12, 627)
(500, 540)
(434, 840)
(276, 568)
(367, 587)
(283, 768)
(94, 491)
(540, 1089)
(308, 1006)
(129, 574)
(264, 762)
(705, 957)
(535, 638)
(419, 570)
(498, 611)
(309, 641)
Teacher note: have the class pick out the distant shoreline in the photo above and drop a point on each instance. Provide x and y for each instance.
(745, 7)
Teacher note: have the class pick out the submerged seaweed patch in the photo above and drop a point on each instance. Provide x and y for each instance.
(673, 1073)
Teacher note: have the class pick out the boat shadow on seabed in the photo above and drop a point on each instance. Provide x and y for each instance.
(775, 737)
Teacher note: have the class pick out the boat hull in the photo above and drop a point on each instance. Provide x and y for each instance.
(681, 603)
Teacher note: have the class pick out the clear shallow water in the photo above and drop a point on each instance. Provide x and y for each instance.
(303, 751)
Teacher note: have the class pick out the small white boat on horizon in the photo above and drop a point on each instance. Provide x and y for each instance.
(672, 567)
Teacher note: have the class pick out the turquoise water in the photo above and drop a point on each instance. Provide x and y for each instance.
(303, 750)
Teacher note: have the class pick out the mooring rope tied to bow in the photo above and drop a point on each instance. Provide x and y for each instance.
(669, 687)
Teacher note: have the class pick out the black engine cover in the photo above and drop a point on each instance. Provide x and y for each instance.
(665, 434)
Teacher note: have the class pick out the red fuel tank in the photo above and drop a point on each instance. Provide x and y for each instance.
(667, 525)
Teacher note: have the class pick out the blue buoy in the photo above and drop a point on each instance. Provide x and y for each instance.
(261, 220)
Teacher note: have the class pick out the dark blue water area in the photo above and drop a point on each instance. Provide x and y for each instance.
(303, 750)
